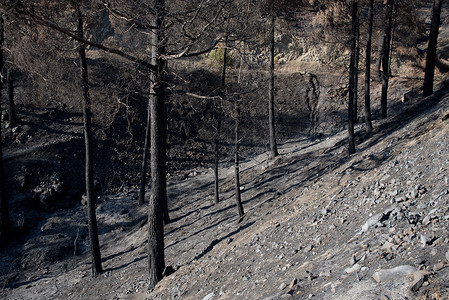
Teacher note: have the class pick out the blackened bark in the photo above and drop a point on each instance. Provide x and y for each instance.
(271, 118)
(356, 71)
(380, 56)
(5, 224)
(368, 121)
(217, 118)
(386, 59)
(224, 65)
(351, 144)
(158, 127)
(143, 171)
(429, 74)
(216, 155)
(238, 198)
(11, 109)
(90, 194)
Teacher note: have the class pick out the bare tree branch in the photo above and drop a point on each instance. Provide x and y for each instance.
(41, 21)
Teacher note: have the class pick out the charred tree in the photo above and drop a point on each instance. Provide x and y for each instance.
(158, 127)
(369, 37)
(89, 177)
(143, 171)
(380, 55)
(352, 70)
(356, 71)
(238, 198)
(217, 119)
(386, 58)
(429, 74)
(5, 224)
(271, 117)
(11, 109)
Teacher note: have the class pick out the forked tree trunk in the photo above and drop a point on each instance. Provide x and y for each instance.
(91, 215)
(11, 109)
(386, 60)
(351, 139)
(368, 121)
(5, 225)
(429, 74)
(271, 118)
(158, 124)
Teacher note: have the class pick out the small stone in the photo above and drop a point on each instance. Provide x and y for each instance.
(439, 266)
(293, 283)
(447, 255)
(308, 248)
(209, 296)
(418, 280)
(354, 268)
(384, 297)
(394, 273)
(353, 260)
(325, 273)
(282, 286)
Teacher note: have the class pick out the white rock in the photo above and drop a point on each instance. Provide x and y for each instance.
(354, 268)
(394, 273)
(209, 296)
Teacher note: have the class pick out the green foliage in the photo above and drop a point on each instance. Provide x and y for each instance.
(216, 57)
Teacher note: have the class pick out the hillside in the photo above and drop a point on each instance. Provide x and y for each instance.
(318, 224)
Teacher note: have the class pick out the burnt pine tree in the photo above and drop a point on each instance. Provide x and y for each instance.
(90, 194)
(352, 71)
(271, 117)
(369, 37)
(386, 57)
(11, 108)
(238, 197)
(5, 225)
(217, 119)
(429, 74)
(356, 71)
(156, 259)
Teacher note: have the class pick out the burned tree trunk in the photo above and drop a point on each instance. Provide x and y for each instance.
(92, 219)
(11, 109)
(351, 139)
(158, 127)
(5, 225)
(386, 59)
(271, 118)
(356, 72)
(429, 74)
(238, 198)
(368, 122)
(217, 118)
